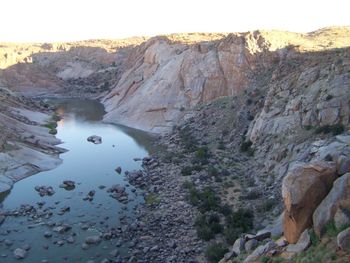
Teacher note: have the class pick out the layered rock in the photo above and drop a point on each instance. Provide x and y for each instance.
(303, 189)
(26, 146)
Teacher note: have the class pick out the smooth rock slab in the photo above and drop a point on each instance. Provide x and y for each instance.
(303, 189)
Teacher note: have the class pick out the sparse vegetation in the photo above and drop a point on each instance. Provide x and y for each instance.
(238, 222)
(208, 225)
(152, 199)
(334, 129)
(215, 252)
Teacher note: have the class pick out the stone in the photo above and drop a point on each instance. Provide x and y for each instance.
(19, 253)
(261, 235)
(70, 240)
(114, 253)
(93, 240)
(338, 197)
(303, 189)
(47, 234)
(342, 218)
(26, 247)
(343, 165)
(2, 219)
(118, 170)
(303, 243)
(238, 246)
(259, 251)
(250, 245)
(94, 139)
(343, 240)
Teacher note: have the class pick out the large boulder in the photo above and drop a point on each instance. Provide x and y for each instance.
(338, 198)
(303, 189)
(343, 240)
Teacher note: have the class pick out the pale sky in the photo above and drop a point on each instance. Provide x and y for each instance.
(67, 20)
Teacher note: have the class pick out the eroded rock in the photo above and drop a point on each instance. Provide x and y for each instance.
(303, 189)
(338, 197)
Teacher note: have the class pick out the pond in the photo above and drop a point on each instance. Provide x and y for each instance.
(92, 168)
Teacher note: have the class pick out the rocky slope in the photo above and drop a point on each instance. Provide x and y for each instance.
(243, 116)
(178, 72)
(68, 69)
(26, 145)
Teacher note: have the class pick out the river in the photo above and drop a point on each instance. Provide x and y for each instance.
(91, 167)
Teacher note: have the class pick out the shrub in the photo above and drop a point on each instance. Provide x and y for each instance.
(246, 147)
(186, 171)
(334, 129)
(237, 223)
(189, 142)
(205, 200)
(215, 252)
(207, 226)
(152, 199)
(202, 155)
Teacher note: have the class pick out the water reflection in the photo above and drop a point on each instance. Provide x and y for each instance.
(90, 166)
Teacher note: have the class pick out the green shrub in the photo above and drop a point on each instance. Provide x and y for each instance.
(238, 222)
(205, 200)
(202, 155)
(189, 142)
(186, 171)
(207, 226)
(152, 199)
(246, 147)
(334, 129)
(330, 229)
(215, 252)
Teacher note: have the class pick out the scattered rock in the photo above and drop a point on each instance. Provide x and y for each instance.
(45, 190)
(19, 253)
(68, 185)
(303, 243)
(259, 251)
(343, 165)
(118, 170)
(343, 240)
(250, 245)
(342, 218)
(93, 240)
(94, 139)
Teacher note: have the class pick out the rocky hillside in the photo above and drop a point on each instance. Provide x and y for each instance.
(255, 124)
(68, 69)
(27, 143)
(178, 72)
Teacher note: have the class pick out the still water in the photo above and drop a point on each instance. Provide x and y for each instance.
(90, 166)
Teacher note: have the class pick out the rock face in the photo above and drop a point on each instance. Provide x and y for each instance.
(338, 198)
(26, 146)
(303, 189)
(343, 240)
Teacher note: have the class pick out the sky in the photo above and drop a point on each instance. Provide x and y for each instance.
(69, 20)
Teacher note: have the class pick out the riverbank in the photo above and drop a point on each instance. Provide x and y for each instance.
(27, 141)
